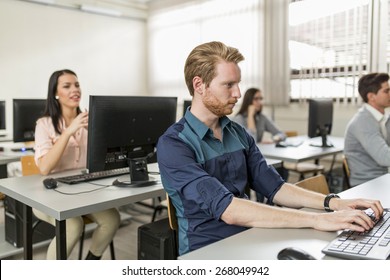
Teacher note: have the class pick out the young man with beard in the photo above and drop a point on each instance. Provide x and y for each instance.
(206, 161)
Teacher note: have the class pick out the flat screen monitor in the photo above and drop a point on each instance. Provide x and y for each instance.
(123, 128)
(186, 104)
(26, 112)
(2, 115)
(320, 119)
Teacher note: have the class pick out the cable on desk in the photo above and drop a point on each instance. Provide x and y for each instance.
(102, 187)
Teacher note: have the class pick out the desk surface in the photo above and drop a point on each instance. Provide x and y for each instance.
(7, 155)
(274, 162)
(304, 151)
(7, 158)
(30, 191)
(264, 244)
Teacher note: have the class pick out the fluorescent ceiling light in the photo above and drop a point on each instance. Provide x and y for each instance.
(48, 2)
(99, 10)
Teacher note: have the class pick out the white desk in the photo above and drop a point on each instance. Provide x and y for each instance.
(274, 162)
(264, 244)
(7, 155)
(303, 152)
(30, 191)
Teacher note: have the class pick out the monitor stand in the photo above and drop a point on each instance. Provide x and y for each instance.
(324, 142)
(139, 175)
(138, 184)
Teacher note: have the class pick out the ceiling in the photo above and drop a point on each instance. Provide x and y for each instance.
(119, 8)
(133, 9)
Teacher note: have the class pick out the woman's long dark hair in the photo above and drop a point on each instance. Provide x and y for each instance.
(53, 108)
(247, 100)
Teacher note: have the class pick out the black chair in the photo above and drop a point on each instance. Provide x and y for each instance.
(159, 208)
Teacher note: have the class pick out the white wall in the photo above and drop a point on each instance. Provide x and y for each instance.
(107, 53)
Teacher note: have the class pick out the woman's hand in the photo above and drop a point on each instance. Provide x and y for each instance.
(81, 121)
(251, 111)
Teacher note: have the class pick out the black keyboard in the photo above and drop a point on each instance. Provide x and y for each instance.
(74, 179)
(372, 244)
(23, 149)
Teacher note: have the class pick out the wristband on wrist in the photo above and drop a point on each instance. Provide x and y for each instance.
(327, 200)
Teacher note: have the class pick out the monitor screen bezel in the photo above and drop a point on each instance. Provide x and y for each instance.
(320, 119)
(3, 116)
(25, 114)
(186, 104)
(122, 113)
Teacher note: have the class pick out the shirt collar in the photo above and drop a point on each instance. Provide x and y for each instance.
(200, 128)
(374, 112)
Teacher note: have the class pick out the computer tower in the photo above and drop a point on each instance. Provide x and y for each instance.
(13, 218)
(337, 180)
(157, 241)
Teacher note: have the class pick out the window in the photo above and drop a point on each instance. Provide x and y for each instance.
(329, 47)
(175, 31)
(331, 44)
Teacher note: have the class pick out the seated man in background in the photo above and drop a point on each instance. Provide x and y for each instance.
(250, 116)
(367, 136)
(206, 161)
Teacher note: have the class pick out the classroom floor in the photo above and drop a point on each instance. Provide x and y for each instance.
(125, 241)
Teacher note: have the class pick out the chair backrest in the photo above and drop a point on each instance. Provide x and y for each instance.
(28, 165)
(316, 183)
(171, 214)
(346, 170)
(291, 133)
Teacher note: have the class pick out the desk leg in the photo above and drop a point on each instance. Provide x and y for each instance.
(27, 232)
(3, 171)
(61, 239)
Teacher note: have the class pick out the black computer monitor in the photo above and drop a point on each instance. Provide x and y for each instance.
(320, 119)
(2, 115)
(186, 104)
(26, 112)
(123, 128)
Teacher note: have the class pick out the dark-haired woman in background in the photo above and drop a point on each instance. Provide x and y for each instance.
(61, 144)
(250, 116)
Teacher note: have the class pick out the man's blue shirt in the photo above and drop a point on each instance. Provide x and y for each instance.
(201, 175)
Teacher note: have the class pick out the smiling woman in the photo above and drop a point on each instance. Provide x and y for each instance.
(60, 144)
(65, 123)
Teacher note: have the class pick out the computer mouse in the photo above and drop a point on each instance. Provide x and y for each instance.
(292, 253)
(50, 183)
(280, 144)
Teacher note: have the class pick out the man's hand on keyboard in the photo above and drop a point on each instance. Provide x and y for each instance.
(358, 204)
(356, 220)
